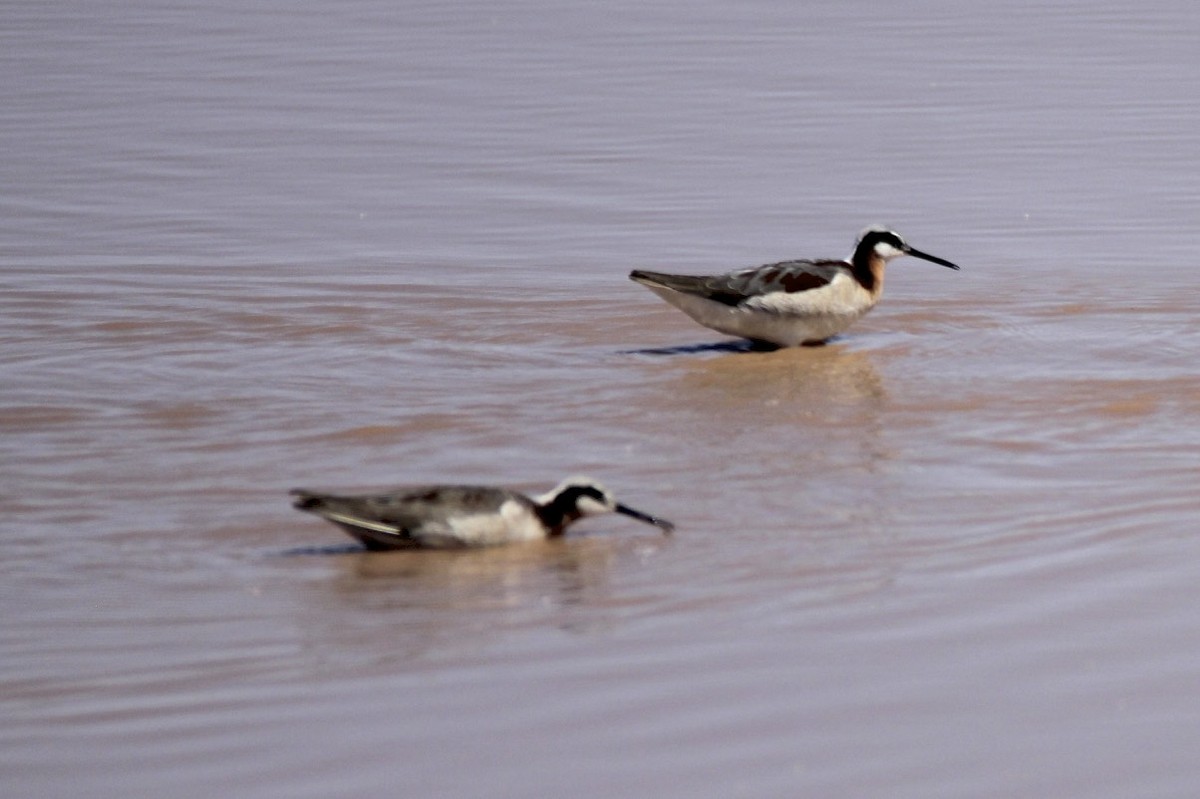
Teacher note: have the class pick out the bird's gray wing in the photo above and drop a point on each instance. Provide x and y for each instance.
(734, 288)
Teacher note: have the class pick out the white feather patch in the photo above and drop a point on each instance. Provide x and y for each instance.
(513, 521)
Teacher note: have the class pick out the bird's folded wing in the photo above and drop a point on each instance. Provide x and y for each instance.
(734, 288)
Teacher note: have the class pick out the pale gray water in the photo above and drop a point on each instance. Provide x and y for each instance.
(247, 247)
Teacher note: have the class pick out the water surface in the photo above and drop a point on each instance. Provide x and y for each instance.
(244, 248)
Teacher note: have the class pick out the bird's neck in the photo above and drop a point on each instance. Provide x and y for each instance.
(557, 514)
(867, 269)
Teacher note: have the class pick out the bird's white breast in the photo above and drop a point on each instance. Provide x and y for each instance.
(842, 296)
(513, 521)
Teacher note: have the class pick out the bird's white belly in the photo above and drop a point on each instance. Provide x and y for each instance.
(513, 522)
(779, 317)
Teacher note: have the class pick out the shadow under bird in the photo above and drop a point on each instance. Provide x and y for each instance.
(455, 516)
(792, 302)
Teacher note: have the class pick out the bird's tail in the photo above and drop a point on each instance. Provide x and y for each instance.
(688, 283)
(306, 500)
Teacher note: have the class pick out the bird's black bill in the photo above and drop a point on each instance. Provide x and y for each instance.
(662, 524)
(915, 253)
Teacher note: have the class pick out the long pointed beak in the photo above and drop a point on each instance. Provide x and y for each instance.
(915, 253)
(662, 524)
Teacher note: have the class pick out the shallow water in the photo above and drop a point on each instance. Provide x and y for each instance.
(246, 248)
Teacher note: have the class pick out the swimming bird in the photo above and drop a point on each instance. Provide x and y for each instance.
(450, 516)
(792, 302)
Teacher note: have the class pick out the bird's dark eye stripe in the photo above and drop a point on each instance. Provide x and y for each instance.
(887, 237)
(576, 493)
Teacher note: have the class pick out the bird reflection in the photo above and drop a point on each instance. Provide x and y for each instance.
(560, 572)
